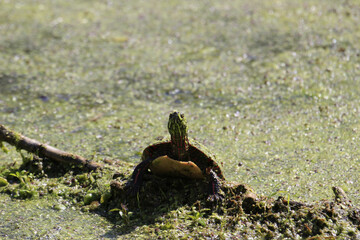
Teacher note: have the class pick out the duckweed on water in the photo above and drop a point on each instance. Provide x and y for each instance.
(270, 87)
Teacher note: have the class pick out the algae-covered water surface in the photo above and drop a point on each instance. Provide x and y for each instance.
(270, 87)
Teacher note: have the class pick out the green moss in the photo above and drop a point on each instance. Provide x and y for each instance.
(3, 182)
(91, 196)
(3, 148)
(17, 138)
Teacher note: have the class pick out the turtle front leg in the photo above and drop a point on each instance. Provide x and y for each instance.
(137, 177)
(214, 186)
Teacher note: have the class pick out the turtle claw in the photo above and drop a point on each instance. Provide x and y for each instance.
(132, 188)
(217, 198)
(214, 188)
(132, 192)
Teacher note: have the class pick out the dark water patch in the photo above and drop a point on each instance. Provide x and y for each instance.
(29, 42)
(25, 44)
(12, 83)
(275, 41)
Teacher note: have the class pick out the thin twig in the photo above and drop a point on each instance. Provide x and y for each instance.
(44, 150)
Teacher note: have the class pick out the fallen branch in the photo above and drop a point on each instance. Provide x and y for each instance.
(44, 150)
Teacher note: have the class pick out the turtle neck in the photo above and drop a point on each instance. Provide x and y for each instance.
(180, 146)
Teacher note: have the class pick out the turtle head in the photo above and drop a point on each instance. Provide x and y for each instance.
(177, 125)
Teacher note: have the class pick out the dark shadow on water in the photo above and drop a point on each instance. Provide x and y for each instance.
(275, 41)
(43, 167)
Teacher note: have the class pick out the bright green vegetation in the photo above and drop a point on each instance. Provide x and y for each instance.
(270, 87)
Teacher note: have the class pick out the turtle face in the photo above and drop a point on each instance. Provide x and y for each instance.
(177, 125)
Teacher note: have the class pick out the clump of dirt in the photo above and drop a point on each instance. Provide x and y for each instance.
(271, 217)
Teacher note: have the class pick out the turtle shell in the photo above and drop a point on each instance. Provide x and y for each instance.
(198, 154)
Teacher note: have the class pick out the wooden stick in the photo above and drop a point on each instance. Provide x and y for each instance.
(44, 150)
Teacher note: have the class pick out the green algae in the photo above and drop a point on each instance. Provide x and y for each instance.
(270, 87)
(50, 223)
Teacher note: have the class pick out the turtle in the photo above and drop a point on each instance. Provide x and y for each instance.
(179, 156)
